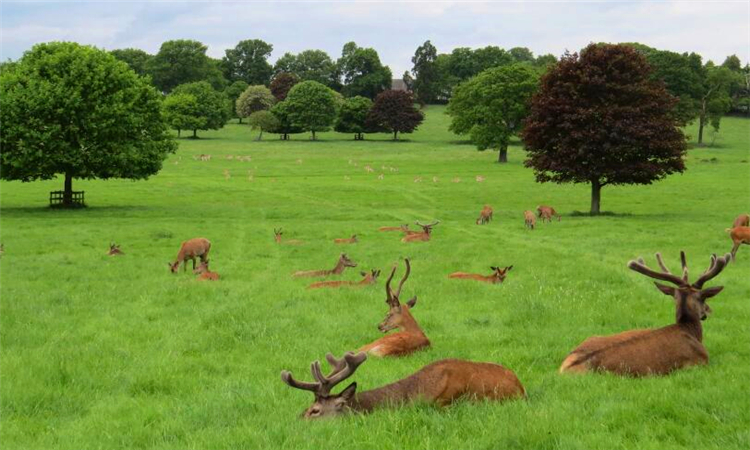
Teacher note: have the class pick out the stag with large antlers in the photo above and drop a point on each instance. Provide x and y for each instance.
(410, 336)
(341, 264)
(497, 276)
(657, 351)
(440, 383)
(422, 236)
(369, 278)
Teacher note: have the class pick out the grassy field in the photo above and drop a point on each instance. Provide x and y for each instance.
(101, 352)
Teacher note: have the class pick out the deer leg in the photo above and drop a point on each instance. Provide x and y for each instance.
(734, 250)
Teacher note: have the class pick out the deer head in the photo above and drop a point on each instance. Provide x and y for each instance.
(114, 249)
(500, 273)
(202, 267)
(346, 262)
(397, 312)
(174, 266)
(327, 404)
(690, 299)
(427, 228)
(277, 234)
(374, 274)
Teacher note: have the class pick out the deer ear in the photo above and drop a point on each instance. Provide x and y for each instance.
(508, 268)
(668, 290)
(493, 268)
(348, 393)
(412, 302)
(710, 292)
(364, 274)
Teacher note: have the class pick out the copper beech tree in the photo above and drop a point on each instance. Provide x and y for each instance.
(599, 118)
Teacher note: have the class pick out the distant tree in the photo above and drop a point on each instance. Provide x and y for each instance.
(394, 112)
(732, 63)
(311, 106)
(213, 106)
(408, 81)
(425, 86)
(599, 118)
(522, 54)
(491, 106)
(362, 72)
(77, 111)
(254, 99)
(285, 126)
(281, 84)
(263, 121)
(310, 65)
(248, 61)
(137, 59)
(545, 61)
(233, 92)
(181, 112)
(715, 100)
(352, 117)
(182, 61)
(491, 56)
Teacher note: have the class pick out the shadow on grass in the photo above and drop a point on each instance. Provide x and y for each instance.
(601, 214)
(13, 211)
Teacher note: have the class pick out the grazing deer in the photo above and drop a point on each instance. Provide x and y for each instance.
(351, 240)
(529, 219)
(739, 235)
(435, 179)
(380, 177)
(205, 273)
(114, 250)
(205, 157)
(342, 264)
(403, 228)
(191, 249)
(479, 178)
(369, 169)
(410, 336)
(496, 277)
(417, 179)
(547, 212)
(420, 236)
(277, 237)
(439, 383)
(743, 220)
(369, 278)
(485, 215)
(656, 351)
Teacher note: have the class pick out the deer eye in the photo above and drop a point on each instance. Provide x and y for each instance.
(315, 412)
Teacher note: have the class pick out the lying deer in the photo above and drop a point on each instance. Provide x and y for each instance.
(656, 351)
(440, 383)
(529, 219)
(351, 240)
(277, 237)
(191, 249)
(422, 236)
(205, 273)
(739, 235)
(485, 215)
(402, 228)
(369, 278)
(114, 250)
(342, 264)
(743, 220)
(410, 336)
(497, 276)
(547, 212)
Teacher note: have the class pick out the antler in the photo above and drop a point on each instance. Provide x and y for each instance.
(427, 226)
(342, 369)
(665, 274)
(388, 292)
(403, 280)
(717, 265)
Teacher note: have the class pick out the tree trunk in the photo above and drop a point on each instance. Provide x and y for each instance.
(178, 132)
(240, 119)
(260, 136)
(68, 191)
(313, 136)
(596, 196)
(701, 122)
(395, 135)
(195, 134)
(503, 156)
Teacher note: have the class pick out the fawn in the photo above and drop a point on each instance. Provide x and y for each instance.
(205, 273)
(529, 219)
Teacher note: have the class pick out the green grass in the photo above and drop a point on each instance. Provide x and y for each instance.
(108, 353)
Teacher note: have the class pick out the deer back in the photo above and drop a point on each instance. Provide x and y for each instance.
(743, 220)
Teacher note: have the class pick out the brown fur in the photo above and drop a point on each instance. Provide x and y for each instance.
(497, 276)
(402, 228)
(529, 219)
(277, 237)
(369, 278)
(485, 216)
(743, 220)
(205, 273)
(114, 250)
(420, 236)
(197, 247)
(351, 240)
(341, 264)
(739, 236)
(546, 213)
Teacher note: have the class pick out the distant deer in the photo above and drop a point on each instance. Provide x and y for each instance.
(410, 336)
(743, 220)
(191, 249)
(114, 250)
(656, 351)
(422, 236)
(277, 237)
(547, 212)
(417, 179)
(351, 240)
(485, 215)
(479, 178)
(2, 250)
(342, 264)
(205, 157)
(529, 219)
(439, 383)
(456, 180)
(205, 273)
(369, 278)
(380, 177)
(402, 228)
(739, 235)
(369, 169)
(497, 276)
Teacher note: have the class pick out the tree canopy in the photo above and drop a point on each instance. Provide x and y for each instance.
(285, 127)
(426, 75)
(263, 121)
(310, 65)
(137, 59)
(281, 84)
(394, 111)
(233, 92)
(182, 112)
(362, 72)
(183, 61)
(254, 99)
(213, 106)
(77, 111)
(599, 118)
(311, 106)
(352, 117)
(248, 61)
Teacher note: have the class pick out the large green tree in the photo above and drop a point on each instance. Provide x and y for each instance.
(426, 76)
(77, 111)
(310, 65)
(233, 92)
(394, 112)
(183, 61)
(213, 106)
(182, 112)
(137, 59)
(285, 127)
(263, 121)
(600, 118)
(311, 106)
(352, 116)
(491, 106)
(362, 72)
(248, 61)
(254, 99)
(715, 98)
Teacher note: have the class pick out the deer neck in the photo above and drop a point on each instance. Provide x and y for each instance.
(689, 321)
(392, 394)
(408, 323)
(339, 268)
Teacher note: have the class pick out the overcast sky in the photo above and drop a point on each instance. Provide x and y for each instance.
(714, 29)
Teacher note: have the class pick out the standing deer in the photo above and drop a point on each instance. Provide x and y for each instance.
(547, 212)
(743, 220)
(114, 250)
(656, 351)
(422, 236)
(403, 228)
(529, 219)
(497, 276)
(342, 264)
(410, 336)
(191, 249)
(369, 278)
(277, 237)
(485, 215)
(739, 235)
(439, 383)
(205, 273)
(351, 240)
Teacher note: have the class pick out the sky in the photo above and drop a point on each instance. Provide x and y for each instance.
(714, 29)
